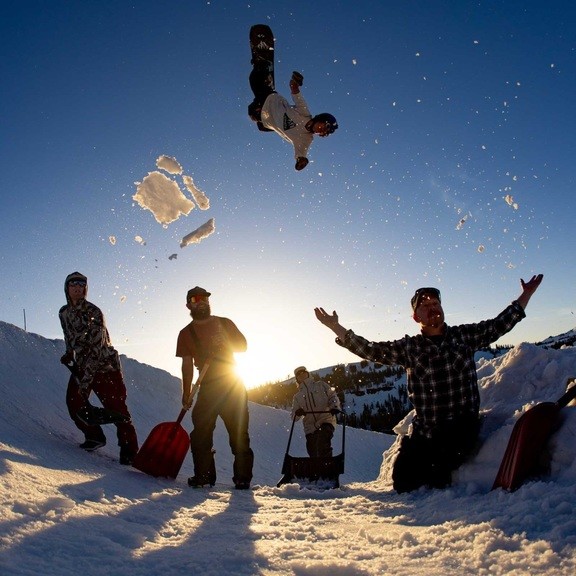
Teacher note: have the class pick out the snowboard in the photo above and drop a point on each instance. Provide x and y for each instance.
(262, 75)
(262, 47)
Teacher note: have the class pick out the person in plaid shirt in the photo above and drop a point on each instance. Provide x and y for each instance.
(442, 382)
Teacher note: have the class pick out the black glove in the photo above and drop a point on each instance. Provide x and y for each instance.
(298, 78)
(299, 412)
(301, 163)
(334, 411)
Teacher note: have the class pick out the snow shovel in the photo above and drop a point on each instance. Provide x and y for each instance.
(312, 469)
(529, 437)
(94, 415)
(163, 452)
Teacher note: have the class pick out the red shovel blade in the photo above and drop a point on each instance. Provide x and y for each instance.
(529, 437)
(163, 452)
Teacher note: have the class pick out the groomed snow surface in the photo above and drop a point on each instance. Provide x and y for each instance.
(65, 511)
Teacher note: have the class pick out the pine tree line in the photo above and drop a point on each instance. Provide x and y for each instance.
(356, 380)
(360, 379)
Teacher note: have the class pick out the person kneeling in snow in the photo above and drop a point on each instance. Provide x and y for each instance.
(318, 403)
(442, 383)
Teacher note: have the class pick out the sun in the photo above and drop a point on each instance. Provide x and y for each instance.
(257, 367)
(254, 372)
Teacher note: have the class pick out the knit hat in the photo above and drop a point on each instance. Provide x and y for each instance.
(300, 369)
(196, 291)
(420, 293)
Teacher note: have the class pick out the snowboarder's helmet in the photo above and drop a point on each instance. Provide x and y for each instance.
(329, 120)
(300, 369)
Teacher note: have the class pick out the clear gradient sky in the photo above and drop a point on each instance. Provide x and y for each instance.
(448, 111)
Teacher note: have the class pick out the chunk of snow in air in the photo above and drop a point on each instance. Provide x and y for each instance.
(171, 165)
(162, 197)
(199, 234)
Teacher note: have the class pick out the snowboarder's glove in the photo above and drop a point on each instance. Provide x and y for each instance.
(334, 411)
(300, 412)
(301, 163)
(298, 78)
(68, 358)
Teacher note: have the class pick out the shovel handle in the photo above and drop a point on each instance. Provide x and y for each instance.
(568, 396)
(181, 416)
(195, 388)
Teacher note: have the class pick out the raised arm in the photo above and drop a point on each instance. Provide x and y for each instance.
(331, 321)
(528, 288)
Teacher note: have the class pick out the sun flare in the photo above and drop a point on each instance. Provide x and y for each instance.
(257, 368)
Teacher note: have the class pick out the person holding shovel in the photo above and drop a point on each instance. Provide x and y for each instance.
(442, 383)
(213, 340)
(318, 404)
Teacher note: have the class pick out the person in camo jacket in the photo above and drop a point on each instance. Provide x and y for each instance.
(98, 368)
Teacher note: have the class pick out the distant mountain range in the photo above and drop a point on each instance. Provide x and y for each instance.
(566, 339)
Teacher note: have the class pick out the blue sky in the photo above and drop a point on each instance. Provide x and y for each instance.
(445, 108)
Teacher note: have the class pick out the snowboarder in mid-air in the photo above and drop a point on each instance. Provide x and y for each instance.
(271, 111)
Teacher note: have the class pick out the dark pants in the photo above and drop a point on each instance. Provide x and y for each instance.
(424, 461)
(110, 389)
(231, 404)
(262, 85)
(319, 443)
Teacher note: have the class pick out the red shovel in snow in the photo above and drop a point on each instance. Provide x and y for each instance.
(163, 452)
(529, 437)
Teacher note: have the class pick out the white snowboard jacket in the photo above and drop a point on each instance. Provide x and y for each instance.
(315, 396)
(289, 121)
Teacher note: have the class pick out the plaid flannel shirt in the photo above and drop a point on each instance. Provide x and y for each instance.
(441, 374)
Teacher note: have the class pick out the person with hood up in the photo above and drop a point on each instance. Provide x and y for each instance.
(318, 403)
(97, 368)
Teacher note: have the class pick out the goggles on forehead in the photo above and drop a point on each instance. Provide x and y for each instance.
(421, 293)
(77, 283)
(198, 298)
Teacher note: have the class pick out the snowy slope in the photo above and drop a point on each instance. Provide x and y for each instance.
(68, 512)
